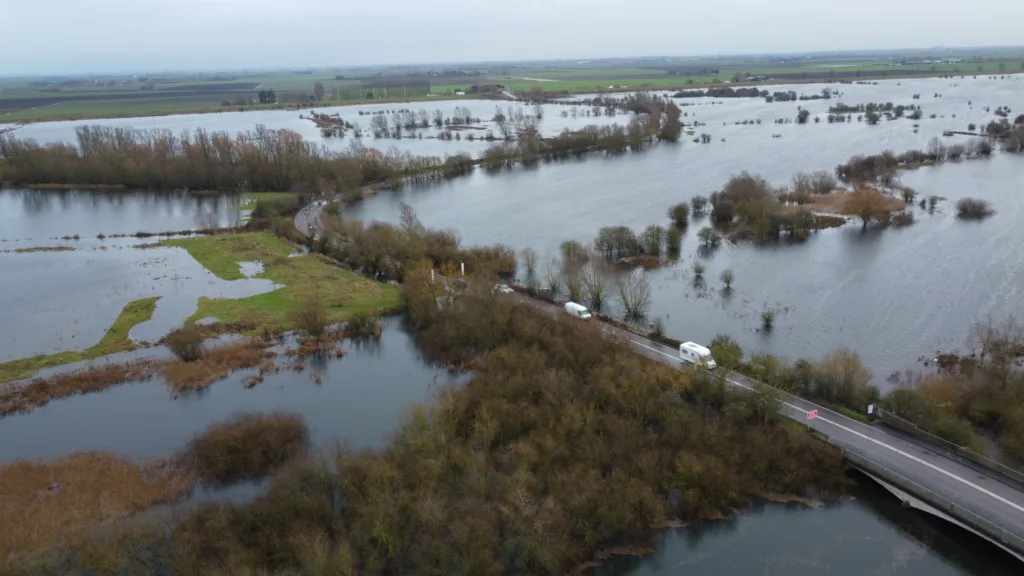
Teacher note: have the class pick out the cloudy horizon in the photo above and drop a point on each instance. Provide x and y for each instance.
(125, 36)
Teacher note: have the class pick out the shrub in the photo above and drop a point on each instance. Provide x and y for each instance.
(727, 278)
(363, 323)
(698, 269)
(186, 343)
(311, 317)
(973, 209)
(679, 214)
(699, 203)
(709, 236)
(767, 319)
(673, 241)
(726, 352)
(901, 219)
(248, 445)
(908, 194)
(723, 212)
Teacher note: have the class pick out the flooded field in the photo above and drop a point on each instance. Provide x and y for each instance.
(894, 295)
(359, 401)
(67, 300)
(36, 217)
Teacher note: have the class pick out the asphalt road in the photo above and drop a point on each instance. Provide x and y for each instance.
(307, 220)
(990, 496)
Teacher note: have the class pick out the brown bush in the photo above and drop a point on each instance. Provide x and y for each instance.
(248, 445)
(186, 343)
(311, 317)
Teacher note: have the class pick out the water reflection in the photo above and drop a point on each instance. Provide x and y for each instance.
(359, 401)
(40, 215)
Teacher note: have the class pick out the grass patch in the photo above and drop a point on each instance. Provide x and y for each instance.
(341, 292)
(41, 249)
(246, 446)
(46, 503)
(115, 340)
(249, 200)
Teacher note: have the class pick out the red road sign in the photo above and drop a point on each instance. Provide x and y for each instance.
(812, 414)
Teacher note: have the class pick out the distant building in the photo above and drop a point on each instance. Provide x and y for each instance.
(460, 92)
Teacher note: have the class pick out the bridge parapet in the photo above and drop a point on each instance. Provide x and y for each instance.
(999, 535)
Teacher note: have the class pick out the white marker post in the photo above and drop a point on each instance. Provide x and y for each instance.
(462, 268)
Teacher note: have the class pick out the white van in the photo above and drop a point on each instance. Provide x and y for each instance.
(577, 310)
(697, 355)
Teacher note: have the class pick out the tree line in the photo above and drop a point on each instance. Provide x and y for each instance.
(261, 159)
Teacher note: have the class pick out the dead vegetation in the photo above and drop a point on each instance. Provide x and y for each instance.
(215, 364)
(24, 398)
(46, 503)
(246, 446)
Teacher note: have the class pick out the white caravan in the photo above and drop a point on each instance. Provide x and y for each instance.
(697, 355)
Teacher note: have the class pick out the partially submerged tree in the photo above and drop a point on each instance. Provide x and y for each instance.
(868, 204)
(634, 293)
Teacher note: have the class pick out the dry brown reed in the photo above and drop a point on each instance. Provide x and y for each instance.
(45, 503)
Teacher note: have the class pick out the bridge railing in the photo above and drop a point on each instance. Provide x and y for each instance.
(1009, 539)
(911, 428)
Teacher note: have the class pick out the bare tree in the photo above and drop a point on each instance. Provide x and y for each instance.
(594, 284)
(410, 222)
(573, 282)
(634, 293)
(867, 204)
(379, 125)
(529, 256)
(553, 274)
(438, 118)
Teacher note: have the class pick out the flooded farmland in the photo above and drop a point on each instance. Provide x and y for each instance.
(893, 295)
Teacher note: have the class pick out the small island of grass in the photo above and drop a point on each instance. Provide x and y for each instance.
(302, 278)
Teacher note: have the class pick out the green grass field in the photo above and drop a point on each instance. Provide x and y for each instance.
(115, 340)
(302, 278)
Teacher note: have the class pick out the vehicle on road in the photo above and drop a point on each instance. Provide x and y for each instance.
(503, 289)
(697, 355)
(577, 310)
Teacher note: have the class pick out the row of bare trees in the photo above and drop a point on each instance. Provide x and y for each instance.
(261, 159)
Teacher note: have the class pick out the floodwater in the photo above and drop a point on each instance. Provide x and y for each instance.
(34, 217)
(360, 400)
(893, 295)
(871, 534)
(59, 301)
(363, 397)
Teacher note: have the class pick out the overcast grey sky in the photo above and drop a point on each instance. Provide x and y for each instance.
(76, 36)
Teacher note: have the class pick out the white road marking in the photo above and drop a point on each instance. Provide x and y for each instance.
(864, 436)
